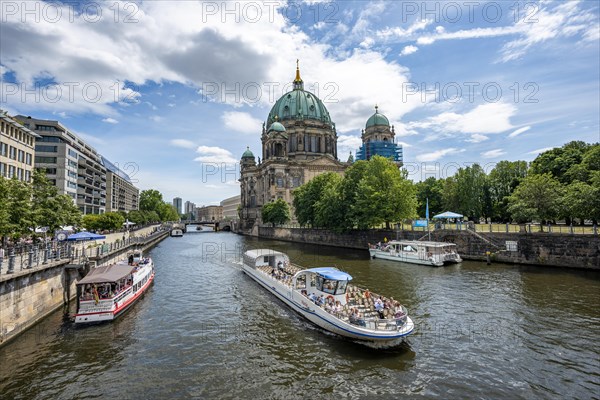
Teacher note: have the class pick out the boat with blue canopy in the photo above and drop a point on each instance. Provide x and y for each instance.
(324, 296)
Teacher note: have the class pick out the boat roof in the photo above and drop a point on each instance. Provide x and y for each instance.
(109, 273)
(422, 243)
(255, 253)
(331, 273)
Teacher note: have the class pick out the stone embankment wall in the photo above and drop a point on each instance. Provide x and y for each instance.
(28, 295)
(551, 249)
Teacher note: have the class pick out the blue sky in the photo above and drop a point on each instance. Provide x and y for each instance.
(174, 91)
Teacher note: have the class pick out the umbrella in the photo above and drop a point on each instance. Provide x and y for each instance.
(85, 236)
(447, 214)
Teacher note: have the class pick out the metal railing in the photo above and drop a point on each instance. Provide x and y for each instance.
(28, 256)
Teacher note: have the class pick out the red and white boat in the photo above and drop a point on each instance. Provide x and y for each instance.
(107, 292)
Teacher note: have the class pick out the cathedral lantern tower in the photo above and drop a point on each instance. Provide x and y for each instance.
(378, 139)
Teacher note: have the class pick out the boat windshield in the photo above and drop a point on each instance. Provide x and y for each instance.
(331, 286)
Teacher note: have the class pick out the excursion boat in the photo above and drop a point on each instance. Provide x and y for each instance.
(416, 252)
(176, 232)
(348, 310)
(107, 292)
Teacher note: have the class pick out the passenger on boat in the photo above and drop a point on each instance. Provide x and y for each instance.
(338, 308)
(379, 307)
(304, 293)
(280, 265)
(312, 297)
(367, 294)
(355, 317)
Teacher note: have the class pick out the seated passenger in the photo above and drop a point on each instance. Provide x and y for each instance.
(313, 297)
(379, 307)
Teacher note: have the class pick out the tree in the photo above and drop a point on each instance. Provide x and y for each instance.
(384, 194)
(91, 222)
(503, 180)
(578, 201)
(276, 212)
(111, 221)
(468, 193)
(560, 160)
(432, 189)
(20, 215)
(150, 200)
(4, 223)
(167, 212)
(538, 197)
(50, 209)
(137, 217)
(307, 196)
(329, 209)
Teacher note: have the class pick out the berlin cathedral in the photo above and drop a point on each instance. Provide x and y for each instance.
(299, 142)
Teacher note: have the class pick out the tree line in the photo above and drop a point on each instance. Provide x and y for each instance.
(560, 184)
(26, 206)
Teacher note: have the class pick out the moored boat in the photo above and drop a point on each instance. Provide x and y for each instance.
(107, 292)
(416, 252)
(325, 297)
(176, 232)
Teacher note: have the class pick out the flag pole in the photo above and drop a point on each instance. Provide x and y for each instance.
(427, 217)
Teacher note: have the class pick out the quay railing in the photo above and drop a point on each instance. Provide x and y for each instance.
(28, 256)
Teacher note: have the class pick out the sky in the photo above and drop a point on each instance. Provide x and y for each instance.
(174, 91)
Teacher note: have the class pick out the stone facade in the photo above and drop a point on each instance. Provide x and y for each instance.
(17, 149)
(209, 213)
(299, 142)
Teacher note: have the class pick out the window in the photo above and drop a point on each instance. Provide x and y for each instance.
(28, 176)
(279, 182)
(73, 153)
(296, 181)
(11, 171)
(72, 164)
(45, 160)
(12, 152)
(71, 185)
(313, 144)
(46, 149)
(72, 174)
(3, 149)
(51, 139)
(21, 156)
(28, 158)
(2, 169)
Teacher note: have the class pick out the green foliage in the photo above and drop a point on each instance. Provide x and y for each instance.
(370, 193)
(432, 189)
(467, 192)
(48, 207)
(562, 162)
(151, 200)
(579, 201)
(307, 196)
(167, 212)
(276, 212)
(20, 215)
(384, 194)
(538, 197)
(503, 180)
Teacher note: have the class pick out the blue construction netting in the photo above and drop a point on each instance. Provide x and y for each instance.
(384, 149)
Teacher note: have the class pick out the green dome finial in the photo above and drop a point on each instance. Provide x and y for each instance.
(298, 83)
(247, 153)
(377, 119)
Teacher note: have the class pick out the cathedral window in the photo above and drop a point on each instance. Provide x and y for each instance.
(280, 182)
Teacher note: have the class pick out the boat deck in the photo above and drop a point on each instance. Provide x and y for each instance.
(356, 297)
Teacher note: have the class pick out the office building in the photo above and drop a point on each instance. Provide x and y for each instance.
(17, 149)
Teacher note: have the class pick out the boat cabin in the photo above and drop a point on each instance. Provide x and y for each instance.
(325, 281)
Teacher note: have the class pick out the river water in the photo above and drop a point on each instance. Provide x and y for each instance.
(205, 330)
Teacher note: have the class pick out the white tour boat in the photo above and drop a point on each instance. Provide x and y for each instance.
(415, 252)
(107, 292)
(348, 310)
(176, 232)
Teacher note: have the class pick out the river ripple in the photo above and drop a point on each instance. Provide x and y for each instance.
(205, 330)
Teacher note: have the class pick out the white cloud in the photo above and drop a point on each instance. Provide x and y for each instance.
(477, 138)
(539, 151)
(538, 23)
(436, 155)
(493, 153)
(348, 144)
(215, 155)
(519, 131)
(156, 118)
(401, 33)
(184, 143)
(110, 120)
(171, 104)
(484, 119)
(410, 49)
(241, 122)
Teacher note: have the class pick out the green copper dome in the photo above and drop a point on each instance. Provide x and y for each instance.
(298, 104)
(377, 119)
(277, 127)
(247, 153)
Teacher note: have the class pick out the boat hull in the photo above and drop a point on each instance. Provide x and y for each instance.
(116, 311)
(326, 321)
(375, 253)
